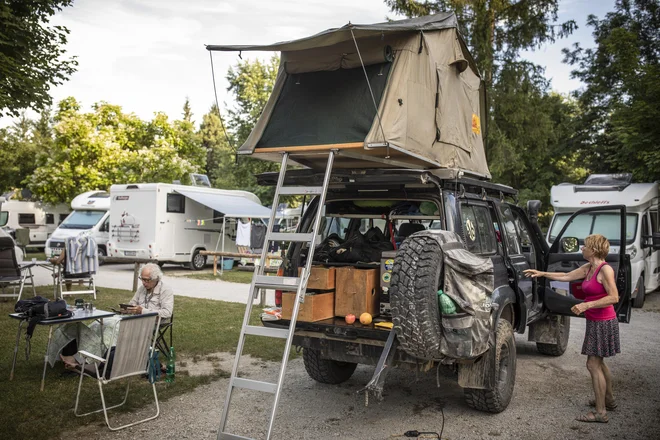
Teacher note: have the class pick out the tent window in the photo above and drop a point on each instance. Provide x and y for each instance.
(176, 203)
(328, 107)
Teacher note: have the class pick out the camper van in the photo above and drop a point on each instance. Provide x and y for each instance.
(641, 201)
(90, 212)
(39, 219)
(172, 223)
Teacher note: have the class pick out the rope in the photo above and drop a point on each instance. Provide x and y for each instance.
(217, 104)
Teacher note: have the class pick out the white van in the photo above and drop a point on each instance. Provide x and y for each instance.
(38, 218)
(90, 212)
(172, 223)
(641, 201)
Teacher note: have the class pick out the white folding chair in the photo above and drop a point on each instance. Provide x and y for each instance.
(81, 266)
(129, 359)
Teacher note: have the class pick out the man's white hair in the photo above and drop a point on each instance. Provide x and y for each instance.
(154, 271)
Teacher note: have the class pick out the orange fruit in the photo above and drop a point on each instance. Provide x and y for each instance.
(365, 318)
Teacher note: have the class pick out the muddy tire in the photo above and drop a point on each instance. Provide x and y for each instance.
(496, 400)
(197, 261)
(326, 370)
(414, 297)
(638, 301)
(558, 348)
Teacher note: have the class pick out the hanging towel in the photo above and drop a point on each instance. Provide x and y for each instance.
(243, 233)
(257, 236)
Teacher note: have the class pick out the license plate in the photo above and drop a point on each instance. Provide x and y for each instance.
(55, 251)
(130, 253)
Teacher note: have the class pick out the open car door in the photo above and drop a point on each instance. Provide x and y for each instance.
(565, 256)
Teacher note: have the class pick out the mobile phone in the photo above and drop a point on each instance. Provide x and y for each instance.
(125, 306)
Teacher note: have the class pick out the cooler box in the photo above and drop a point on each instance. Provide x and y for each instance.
(315, 308)
(357, 291)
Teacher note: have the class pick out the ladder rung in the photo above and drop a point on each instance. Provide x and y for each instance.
(255, 385)
(267, 331)
(300, 190)
(277, 283)
(290, 236)
(227, 436)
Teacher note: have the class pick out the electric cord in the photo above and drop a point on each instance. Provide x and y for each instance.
(427, 434)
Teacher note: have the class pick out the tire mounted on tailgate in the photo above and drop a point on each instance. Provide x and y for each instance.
(416, 278)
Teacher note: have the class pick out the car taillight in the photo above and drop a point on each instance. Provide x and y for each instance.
(278, 293)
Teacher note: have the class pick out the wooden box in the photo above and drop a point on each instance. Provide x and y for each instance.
(320, 278)
(357, 291)
(315, 308)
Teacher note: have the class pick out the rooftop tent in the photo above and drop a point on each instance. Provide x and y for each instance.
(417, 73)
(230, 206)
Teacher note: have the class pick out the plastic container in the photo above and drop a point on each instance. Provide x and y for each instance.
(446, 304)
(227, 263)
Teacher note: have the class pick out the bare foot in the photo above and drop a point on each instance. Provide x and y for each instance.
(70, 362)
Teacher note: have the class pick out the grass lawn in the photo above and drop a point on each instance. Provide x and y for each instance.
(201, 327)
(233, 276)
(33, 253)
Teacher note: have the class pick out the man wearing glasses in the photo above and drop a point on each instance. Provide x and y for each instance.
(152, 295)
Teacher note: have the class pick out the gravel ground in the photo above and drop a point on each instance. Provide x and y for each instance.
(549, 394)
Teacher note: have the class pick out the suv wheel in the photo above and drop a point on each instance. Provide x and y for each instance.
(496, 400)
(638, 302)
(559, 347)
(326, 370)
(414, 297)
(198, 260)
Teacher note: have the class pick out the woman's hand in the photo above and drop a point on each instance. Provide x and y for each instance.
(533, 273)
(137, 310)
(578, 309)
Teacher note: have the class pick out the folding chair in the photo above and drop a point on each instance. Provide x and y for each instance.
(129, 359)
(72, 278)
(12, 273)
(165, 330)
(81, 265)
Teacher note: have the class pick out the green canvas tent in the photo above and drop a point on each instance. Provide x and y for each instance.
(398, 94)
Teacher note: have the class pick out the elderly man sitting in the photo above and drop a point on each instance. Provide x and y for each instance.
(152, 296)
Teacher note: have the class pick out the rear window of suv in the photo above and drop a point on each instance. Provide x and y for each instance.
(478, 230)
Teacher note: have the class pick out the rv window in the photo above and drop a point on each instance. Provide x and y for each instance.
(607, 224)
(63, 217)
(176, 203)
(654, 221)
(217, 216)
(50, 219)
(26, 219)
(4, 218)
(645, 226)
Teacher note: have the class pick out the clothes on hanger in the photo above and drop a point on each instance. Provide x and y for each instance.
(243, 231)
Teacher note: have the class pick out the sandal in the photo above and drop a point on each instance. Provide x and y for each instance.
(608, 406)
(592, 417)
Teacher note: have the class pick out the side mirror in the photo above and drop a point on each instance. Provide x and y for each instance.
(570, 244)
(533, 208)
(652, 241)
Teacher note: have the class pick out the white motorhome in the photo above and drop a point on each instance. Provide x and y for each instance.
(90, 212)
(641, 201)
(38, 218)
(172, 223)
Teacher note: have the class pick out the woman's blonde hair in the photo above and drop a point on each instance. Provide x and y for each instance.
(598, 244)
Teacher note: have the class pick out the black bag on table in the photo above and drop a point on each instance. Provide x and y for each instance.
(37, 309)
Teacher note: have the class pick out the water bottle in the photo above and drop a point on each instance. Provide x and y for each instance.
(171, 369)
(447, 305)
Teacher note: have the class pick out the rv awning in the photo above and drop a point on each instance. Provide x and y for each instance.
(230, 206)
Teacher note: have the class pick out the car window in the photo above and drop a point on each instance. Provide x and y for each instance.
(508, 223)
(478, 231)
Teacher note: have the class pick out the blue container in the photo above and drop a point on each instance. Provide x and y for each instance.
(227, 263)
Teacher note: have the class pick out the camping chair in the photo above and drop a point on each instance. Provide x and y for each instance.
(13, 274)
(165, 333)
(129, 359)
(81, 265)
(22, 239)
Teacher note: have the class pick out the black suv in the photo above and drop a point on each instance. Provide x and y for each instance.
(496, 240)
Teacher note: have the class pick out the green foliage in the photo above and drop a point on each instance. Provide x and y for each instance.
(31, 54)
(106, 146)
(621, 99)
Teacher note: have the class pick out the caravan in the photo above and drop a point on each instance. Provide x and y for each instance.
(39, 219)
(172, 223)
(90, 212)
(641, 201)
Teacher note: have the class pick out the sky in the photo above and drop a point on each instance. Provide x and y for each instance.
(149, 55)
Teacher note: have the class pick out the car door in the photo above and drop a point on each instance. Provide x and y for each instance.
(557, 299)
(531, 250)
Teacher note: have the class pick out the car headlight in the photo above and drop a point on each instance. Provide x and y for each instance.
(632, 251)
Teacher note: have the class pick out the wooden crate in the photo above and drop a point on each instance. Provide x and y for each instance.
(358, 291)
(315, 308)
(320, 278)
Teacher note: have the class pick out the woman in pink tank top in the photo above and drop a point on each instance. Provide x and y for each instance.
(601, 337)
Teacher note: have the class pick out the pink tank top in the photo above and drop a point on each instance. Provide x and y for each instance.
(593, 291)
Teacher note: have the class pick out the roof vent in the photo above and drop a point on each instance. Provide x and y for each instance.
(605, 182)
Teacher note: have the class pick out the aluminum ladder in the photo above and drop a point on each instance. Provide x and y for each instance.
(292, 284)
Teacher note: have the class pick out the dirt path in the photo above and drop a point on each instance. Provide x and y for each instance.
(549, 394)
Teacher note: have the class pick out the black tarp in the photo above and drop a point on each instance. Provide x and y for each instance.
(327, 107)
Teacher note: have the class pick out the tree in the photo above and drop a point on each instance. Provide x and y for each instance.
(621, 98)
(96, 149)
(31, 54)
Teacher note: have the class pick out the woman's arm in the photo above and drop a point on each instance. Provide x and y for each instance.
(610, 287)
(576, 274)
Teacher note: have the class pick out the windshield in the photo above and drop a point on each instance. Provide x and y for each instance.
(4, 216)
(82, 219)
(605, 223)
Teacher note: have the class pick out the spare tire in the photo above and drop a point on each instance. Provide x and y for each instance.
(416, 278)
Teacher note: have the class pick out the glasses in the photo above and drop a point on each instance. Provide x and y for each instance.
(146, 280)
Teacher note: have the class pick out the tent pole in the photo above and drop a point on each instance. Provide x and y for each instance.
(222, 269)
